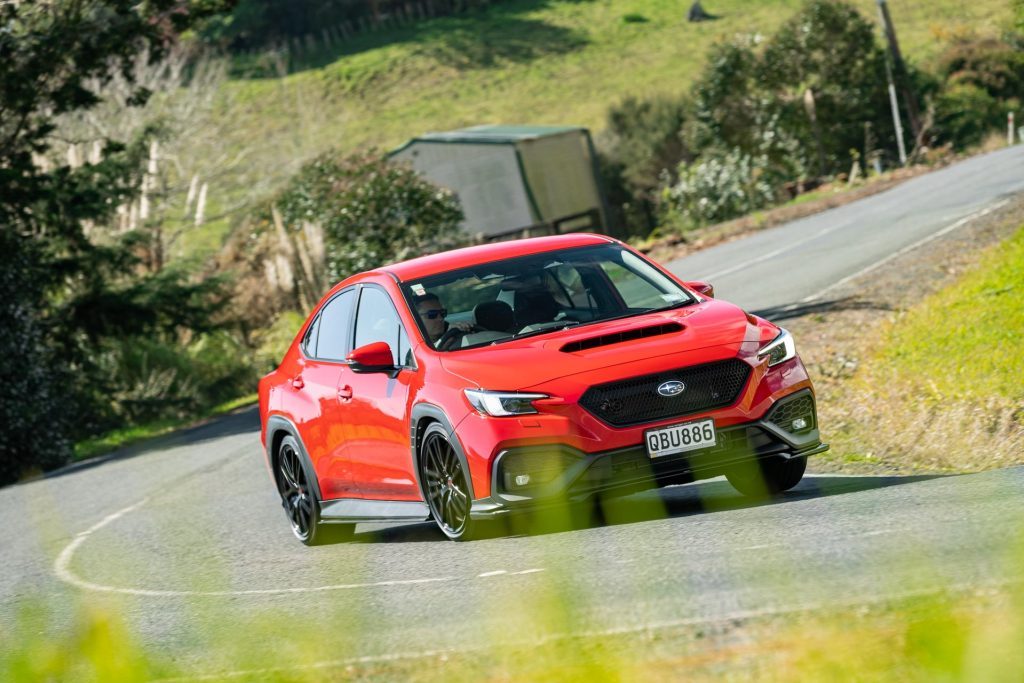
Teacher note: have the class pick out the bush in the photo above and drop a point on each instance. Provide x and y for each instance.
(641, 141)
(965, 113)
(31, 397)
(720, 187)
(372, 211)
(988, 63)
(158, 379)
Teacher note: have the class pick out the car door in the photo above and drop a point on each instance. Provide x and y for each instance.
(326, 345)
(378, 445)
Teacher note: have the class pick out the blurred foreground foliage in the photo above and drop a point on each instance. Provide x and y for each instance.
(954, 635)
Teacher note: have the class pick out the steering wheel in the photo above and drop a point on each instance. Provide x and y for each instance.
(445, 340)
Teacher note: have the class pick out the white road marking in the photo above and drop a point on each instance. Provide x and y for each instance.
(864, 534)
(729, 617)
(63, 572)
(905, 250)
(61, 569)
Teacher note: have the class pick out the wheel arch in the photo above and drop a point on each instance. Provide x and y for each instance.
(421, 417)
(278, 427)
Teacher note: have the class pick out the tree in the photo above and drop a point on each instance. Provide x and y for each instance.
(827, 74)
(52, 55)
(372, 211)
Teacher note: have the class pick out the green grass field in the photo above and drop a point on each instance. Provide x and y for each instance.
(526, 62)
(544, 62)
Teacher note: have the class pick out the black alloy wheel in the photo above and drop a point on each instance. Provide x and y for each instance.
(300, 502)
(445, 484)
(768, 477)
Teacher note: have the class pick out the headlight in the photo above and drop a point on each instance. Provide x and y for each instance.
(779, 350)
(502, 403)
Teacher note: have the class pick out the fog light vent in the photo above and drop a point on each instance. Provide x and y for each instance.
(795, 415)
(524, 470)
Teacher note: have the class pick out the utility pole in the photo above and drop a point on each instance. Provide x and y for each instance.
(900, 69)
(895, 105)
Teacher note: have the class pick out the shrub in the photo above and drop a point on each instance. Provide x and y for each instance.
(34, 420)
(641, 141)
(159, 379)
(987, 63)
(964, 113)
(720, 187)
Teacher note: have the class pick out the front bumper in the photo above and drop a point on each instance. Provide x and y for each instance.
(560, 474)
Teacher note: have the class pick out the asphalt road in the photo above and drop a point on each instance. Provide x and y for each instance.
(812, 258)
(185, 538)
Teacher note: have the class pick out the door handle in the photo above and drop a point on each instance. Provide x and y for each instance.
(345, 392)
(297, 382)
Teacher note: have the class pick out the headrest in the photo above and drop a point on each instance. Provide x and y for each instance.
(494, 315)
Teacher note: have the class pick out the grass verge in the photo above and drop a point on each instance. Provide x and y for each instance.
(126, 436)
(937, 386)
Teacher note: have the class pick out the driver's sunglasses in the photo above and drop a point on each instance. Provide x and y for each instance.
(436, 313)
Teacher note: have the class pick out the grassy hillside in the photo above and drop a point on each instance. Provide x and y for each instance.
(532, 61)
(545, 62)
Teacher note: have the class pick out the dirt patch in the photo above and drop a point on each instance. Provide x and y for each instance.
(835, 336)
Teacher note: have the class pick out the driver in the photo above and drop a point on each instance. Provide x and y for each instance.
(432, 313)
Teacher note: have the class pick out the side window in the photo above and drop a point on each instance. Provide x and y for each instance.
(377, 321)
(635, 290)
(332, 339)
(309, 341)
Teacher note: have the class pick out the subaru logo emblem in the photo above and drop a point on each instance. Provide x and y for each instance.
(671, 388)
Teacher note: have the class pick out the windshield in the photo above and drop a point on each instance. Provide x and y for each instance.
(496, 302)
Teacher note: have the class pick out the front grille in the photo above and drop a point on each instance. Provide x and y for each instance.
(636, 400)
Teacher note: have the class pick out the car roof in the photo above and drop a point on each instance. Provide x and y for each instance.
(485, 253)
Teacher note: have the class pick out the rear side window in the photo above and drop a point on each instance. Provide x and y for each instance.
(335, 327)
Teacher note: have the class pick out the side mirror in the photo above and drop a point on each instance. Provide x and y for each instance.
(374, 357)
(702, 288)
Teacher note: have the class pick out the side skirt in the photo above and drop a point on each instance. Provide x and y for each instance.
(361, 510)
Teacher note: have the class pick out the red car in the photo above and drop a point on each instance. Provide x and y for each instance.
(474, 383)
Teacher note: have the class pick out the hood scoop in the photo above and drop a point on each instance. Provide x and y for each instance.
(619, 337)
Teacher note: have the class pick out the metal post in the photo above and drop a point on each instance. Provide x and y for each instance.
(1009, 128)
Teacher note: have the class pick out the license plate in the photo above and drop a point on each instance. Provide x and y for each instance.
(688, 436)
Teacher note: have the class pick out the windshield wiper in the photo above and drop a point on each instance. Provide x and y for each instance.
(678, 304)
(563, 325)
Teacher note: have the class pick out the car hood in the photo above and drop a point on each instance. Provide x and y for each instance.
(702, 332)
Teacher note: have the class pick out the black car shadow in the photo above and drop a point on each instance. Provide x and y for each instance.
(798, 310)
(673, 502)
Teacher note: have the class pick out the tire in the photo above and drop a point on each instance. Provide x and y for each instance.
(299, 499)
(763, 478)
(446, 485)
